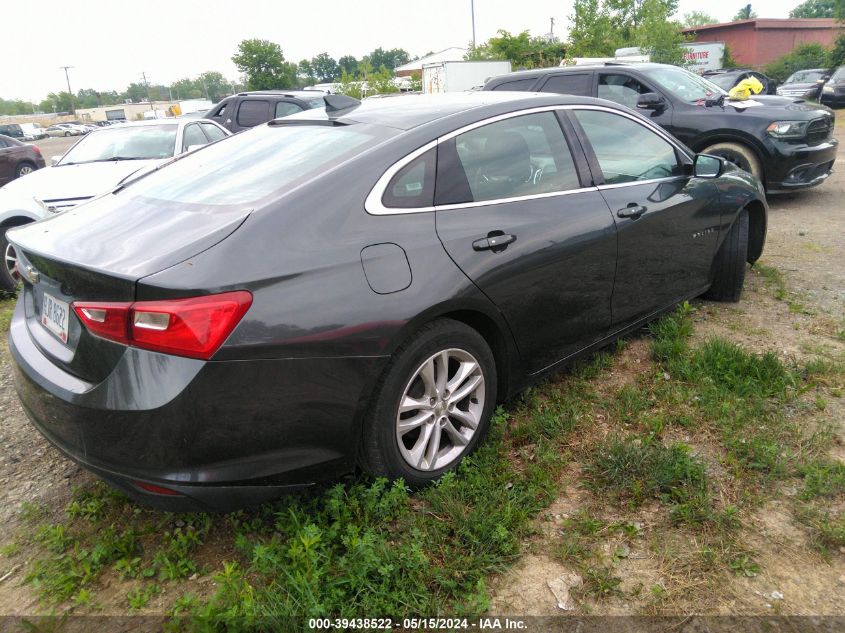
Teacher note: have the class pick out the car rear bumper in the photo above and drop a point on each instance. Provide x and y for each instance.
(221, 435)
(800, 166)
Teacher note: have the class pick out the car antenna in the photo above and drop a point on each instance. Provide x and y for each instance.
(335, 103)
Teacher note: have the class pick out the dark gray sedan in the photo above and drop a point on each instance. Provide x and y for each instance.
(359, 285)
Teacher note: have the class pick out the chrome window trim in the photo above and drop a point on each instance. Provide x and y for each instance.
(373, 204)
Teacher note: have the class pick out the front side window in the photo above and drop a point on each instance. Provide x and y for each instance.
(253, 112)
(626, 150)
(193, 136)
(213, 132)
(621, 89)
(520, 156)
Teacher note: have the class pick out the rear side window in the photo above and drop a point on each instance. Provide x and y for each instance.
(253, 112)
(284, 108)
(3, 143)
(517, 84)
(626, 150)
(413, 185)
(193, 136)
(520, 156)
(569, 84)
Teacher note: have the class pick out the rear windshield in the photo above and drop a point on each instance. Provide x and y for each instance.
(249, 166)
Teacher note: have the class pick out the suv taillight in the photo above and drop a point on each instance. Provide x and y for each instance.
(194, 327)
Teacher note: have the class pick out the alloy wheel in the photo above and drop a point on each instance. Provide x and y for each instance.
(24, 170)
(10, 260)
(440, 409)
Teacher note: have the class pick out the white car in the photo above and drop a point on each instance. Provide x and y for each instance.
(33, 131)
(73, 128)
(95, 164)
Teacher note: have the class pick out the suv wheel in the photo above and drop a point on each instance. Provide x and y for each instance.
(738, 154)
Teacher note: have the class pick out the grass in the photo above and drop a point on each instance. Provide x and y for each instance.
(364, 546)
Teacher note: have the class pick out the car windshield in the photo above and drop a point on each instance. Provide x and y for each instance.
(684, 84)
(839, 75)
(140, 142)
(245, 168)
(725, 81)
(805, 76)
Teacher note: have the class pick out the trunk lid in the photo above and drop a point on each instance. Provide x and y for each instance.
(97, 252)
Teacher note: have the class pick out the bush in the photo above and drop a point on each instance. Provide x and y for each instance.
(801, 57)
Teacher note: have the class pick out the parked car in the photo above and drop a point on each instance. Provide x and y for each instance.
(95, 164)
(727, 78)
(786, 144)
(33, 132)
(63, 130)
(17, 159)
(363, 282)
(833, 92)
(12, 130)
(248, 109)
(806, 84)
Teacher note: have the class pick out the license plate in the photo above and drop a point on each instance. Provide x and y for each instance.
(54, 316)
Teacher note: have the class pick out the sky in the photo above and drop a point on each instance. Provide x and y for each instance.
(110, 45)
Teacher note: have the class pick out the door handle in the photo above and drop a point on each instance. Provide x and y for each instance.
(633, 210)
(493, 242)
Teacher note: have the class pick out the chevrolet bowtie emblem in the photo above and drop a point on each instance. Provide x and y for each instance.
(33, 275)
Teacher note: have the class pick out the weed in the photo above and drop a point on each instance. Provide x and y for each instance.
(827, 531)
(600, 582)
(140, 597)
(822, 478)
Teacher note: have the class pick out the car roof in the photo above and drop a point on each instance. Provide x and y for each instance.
(281, 93)
(539, 72)
(408, 111)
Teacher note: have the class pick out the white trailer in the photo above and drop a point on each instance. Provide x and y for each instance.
(459, 76)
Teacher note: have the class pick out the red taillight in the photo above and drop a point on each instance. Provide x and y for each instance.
(159, 490)
(194, 327)
(36, 150)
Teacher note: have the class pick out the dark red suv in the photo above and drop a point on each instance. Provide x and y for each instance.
(17, 159)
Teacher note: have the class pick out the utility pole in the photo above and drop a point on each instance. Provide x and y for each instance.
(472, 10)
(69, 91)
(552, 29)
(147, 86)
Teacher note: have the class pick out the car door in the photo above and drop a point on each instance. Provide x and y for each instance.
(515, 213)
(667, 224)
(7, 164)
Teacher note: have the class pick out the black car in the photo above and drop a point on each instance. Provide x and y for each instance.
(786, 143)
(248, 109)
(833, 92)
(12, 130)
(359, 285)
(727, 78)
(806, 84)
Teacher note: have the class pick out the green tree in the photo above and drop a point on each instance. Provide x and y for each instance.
(57, 102)
(659, 37)
(814, 9)
(837, 54)
(16, 106)
(264, 65)
(745, 13)
(186, 89)
(593, 33)
(390, 59)
(802, 56)
(325, 68)
(214, 85)
(522, 50)
(698, 18)
(349, 65)
(305, 71)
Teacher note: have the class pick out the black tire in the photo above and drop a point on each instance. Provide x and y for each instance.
(738, 154)
(380, 454)
(67, 134)
(24, 168)
(729, 264)
(8, 283)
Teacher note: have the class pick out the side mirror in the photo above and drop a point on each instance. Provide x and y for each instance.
(651, 101)
(55, 159)
(707, 166)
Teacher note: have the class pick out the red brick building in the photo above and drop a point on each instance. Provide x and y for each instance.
(759, 41)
